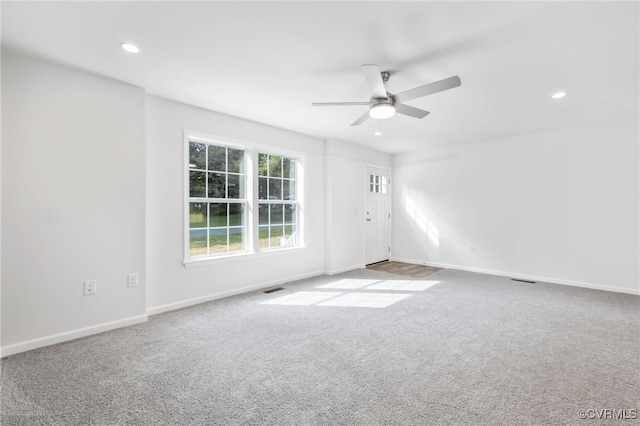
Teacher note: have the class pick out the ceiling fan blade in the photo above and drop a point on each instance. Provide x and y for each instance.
(362, 119)
(374, 78)
(428, 89)
(411, 111)
(338, 103)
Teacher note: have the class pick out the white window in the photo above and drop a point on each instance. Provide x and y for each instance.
(377, 184)
(217, 203)
(221, 206)
(278, 201)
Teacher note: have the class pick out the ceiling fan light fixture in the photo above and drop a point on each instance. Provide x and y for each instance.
(381, 111)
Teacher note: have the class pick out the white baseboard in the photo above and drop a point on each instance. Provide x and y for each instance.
(346, 269)
(69, 335)
(215, 296)
(527, 277)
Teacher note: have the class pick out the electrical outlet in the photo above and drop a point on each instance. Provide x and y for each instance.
(90, 287)
(132, 280)
(472, 247)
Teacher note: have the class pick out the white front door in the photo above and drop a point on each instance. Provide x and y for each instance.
(377, 215)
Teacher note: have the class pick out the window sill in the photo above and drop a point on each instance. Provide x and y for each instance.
(193, 263)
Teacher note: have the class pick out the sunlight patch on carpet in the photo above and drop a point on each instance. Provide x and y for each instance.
(302, 298)
(349, 284)
(365, 300)
(353, 299)
(362, 284)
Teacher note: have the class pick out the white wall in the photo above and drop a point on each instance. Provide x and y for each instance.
(92, 189)
(81, 199)
(72, 202)
(561, 206)
(170, 284)
(345, 168)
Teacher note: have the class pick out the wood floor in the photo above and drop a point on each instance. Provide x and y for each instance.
(407, 269)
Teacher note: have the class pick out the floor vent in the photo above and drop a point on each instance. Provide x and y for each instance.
(523, 281)
(272, 290)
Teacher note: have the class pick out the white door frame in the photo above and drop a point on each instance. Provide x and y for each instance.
(366, 195)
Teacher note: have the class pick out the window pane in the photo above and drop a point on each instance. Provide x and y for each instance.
(236, 186)
(262, 188)
(263, 165)
(217, 214)
(236, 161)
(263, 214)
(198, 242)
(197, 155)
(290, 214)
(197, 215)
(236, 214)
(289, 234)
(197, 184)
(236, 238)
(217, 158)
(218, 240)
(370, 178)
(275, 166)
(277, 233)
(289, 190)
(217, 185)
(263, 232)
(275, 189)
(289, 168)
(276, 214)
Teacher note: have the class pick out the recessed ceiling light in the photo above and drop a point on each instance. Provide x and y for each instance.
(559, 95)
(131, 48)
(377, 133)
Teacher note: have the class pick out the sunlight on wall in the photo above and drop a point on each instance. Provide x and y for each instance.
(361, 299)
(422, 222)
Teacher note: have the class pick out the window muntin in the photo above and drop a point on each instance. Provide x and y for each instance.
(277, 205)
(217, 203)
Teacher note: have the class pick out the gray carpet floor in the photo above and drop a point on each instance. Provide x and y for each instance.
(359, 348)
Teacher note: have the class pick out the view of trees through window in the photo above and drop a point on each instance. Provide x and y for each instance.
(216, 199)
(277, 200)
(218, 206)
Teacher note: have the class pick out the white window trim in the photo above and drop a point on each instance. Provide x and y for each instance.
(251, 175)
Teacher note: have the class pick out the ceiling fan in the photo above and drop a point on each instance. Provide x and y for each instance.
(383, 104)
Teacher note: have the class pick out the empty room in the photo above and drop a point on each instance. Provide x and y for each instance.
(320, 213)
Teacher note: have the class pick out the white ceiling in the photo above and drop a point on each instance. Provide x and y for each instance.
(267, 61)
